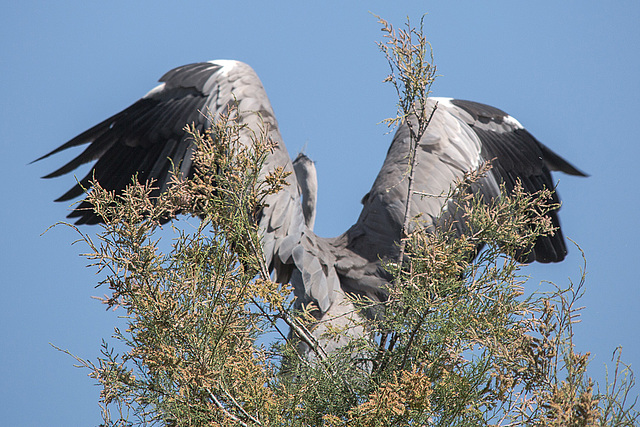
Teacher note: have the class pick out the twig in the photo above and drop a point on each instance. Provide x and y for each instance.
(224, 410)
(246, 414)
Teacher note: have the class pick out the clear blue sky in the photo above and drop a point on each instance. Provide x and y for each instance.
(569, 71)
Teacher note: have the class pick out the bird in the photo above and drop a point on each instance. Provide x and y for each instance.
(148, 137)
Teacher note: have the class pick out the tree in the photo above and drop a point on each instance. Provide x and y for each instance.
(212, 340)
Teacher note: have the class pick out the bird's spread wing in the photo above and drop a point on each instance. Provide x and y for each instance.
(461, 136)
(148, 138)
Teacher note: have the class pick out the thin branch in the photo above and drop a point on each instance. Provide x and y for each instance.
(237, 405)
(412, 74)
(413, 158)
(224, 410)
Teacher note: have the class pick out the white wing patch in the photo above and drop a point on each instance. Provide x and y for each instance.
(513, 122)
(154, 91)
(442, 100)
(226, 64)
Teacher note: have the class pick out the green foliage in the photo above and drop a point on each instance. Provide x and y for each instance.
(459, 343)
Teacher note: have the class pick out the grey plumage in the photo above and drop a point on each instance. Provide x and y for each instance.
(147, 136)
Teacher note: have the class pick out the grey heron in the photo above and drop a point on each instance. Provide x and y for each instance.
(148, 136)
